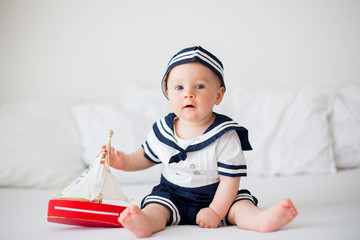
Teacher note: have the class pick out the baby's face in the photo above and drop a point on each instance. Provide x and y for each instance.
(193, 90)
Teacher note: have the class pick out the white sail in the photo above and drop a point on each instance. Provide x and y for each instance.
(110, 188)
(85, 185)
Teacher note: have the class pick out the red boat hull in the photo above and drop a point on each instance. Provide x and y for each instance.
(81, 213)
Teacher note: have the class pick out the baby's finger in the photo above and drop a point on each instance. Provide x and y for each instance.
(101, 151)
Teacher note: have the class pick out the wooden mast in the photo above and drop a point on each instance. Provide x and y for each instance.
(106, 162)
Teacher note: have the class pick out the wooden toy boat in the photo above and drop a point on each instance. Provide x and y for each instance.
(81, 203)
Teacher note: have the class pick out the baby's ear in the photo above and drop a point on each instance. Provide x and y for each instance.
(220, 95)
(166, 93)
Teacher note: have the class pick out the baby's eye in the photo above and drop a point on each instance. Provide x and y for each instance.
(178, 87)
(200, 86)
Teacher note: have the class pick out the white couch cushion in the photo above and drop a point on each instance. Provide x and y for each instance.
(289, 131)
(346, 127)
(39, 144)
(130, 130)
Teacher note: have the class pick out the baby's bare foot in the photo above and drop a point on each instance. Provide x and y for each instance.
(133, 219)
(277, 216)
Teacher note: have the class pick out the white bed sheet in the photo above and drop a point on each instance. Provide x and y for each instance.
(328, 206)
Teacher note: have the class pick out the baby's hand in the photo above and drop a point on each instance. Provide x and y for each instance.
(117, 159)
(207, 218)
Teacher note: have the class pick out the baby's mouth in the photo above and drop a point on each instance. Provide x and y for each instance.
(189, 106)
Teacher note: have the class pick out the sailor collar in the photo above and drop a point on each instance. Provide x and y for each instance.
(164, 131)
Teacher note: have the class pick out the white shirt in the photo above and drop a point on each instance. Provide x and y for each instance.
(198, 162)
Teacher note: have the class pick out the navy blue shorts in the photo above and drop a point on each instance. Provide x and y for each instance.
(185, 203)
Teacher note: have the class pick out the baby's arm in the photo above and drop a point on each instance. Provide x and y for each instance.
(129, 162)
(224, 197)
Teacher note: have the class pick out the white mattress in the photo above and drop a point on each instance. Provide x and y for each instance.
(328, 206)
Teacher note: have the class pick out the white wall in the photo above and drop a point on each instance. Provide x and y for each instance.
(95, 50)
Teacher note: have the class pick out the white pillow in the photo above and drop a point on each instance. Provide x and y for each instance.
(346, 127)
(131, 121)
(39, 144)
(289, 131)
(130, 131)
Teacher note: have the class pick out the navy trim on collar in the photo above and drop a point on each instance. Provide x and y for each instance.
(164, 131)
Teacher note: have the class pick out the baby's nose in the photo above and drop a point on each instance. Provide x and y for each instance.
(189, 94)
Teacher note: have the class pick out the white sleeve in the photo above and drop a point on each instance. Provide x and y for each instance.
(149, 146)
(231, 160)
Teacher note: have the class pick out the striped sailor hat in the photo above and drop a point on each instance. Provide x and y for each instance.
(195, 54)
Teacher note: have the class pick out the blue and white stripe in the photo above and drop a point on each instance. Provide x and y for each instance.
(175, 215)
(149, 153)
(213, 134)
(246, 195)
(195, 54)
(232, 170)
(198, 52)
(165, 130)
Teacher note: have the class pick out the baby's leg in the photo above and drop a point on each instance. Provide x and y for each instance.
(247, 216)
(145, 222)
